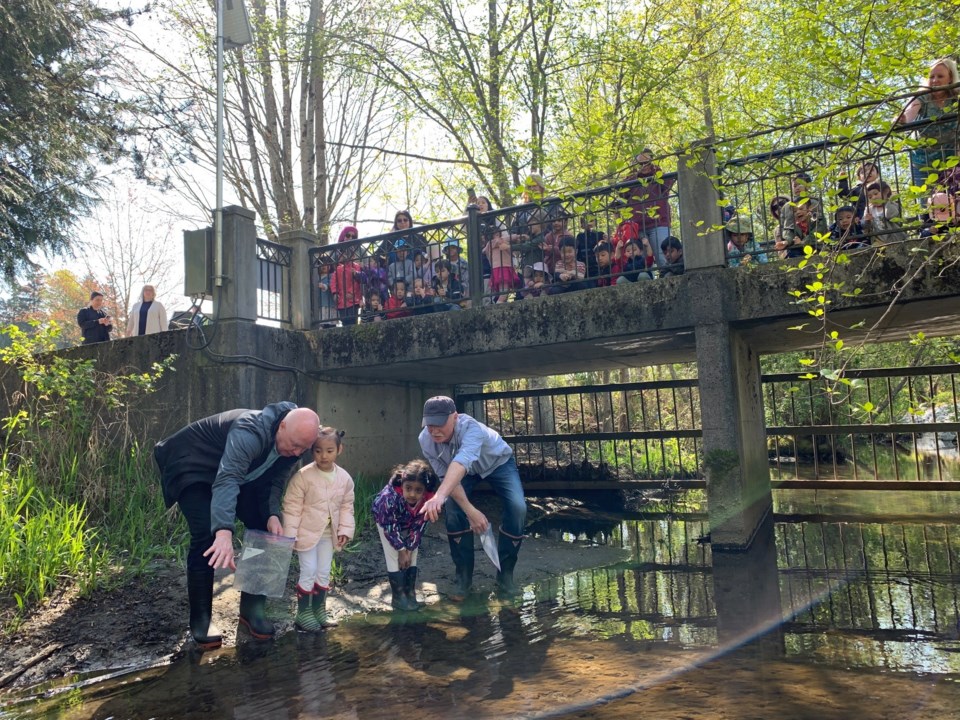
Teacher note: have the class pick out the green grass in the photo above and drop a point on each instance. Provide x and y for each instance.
(365, 489)
(44, 541)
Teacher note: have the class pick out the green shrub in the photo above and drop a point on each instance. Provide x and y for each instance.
(80, 502)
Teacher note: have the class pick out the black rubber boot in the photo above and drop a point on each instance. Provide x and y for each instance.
(320, 606)
(461, 550)
(507, 548)
(200, 595)
(254, 616)
(306, 619)
(399, 599)
(410, 587)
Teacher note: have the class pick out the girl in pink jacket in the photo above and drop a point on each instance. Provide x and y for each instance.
(318, 512)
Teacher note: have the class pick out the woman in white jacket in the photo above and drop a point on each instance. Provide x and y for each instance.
(147, 316)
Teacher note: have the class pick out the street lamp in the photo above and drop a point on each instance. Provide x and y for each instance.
(233, 31)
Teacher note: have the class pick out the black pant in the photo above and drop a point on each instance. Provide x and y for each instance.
(253, 509)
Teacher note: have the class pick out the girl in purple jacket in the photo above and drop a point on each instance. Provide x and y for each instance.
(396, 511)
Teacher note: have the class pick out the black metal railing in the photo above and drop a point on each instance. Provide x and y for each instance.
(497, 250)
(749, 184)
(493, 254)
(273, 282)
(887, 428)
(645, 431)
(893, 424)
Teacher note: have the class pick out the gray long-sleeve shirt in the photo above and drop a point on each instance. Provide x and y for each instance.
(478, 448)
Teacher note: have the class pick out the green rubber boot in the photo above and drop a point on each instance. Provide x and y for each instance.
(253, 615)
(306, 618)
(200, 594)
(320, 606)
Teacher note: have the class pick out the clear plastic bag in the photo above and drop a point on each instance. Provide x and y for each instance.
(264, 563)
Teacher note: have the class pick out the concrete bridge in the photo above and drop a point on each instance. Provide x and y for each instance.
(371, 379)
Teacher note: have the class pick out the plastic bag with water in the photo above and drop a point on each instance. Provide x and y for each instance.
(264, 563)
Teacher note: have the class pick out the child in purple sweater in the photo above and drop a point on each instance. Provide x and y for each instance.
(396, 511)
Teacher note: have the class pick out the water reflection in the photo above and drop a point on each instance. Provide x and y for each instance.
(810, 600)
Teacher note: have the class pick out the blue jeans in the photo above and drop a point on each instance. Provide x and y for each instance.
(505, 482)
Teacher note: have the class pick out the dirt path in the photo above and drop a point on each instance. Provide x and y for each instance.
(144, 622)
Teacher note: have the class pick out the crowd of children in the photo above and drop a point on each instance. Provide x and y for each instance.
(868, 214)
(537, 253)
(534, 251)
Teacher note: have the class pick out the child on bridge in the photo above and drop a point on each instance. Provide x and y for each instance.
(396, 511)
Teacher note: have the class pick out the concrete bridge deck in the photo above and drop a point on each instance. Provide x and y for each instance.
(643, 323)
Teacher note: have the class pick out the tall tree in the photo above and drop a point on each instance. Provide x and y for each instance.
(130, 247)
(305, 123)
(56, 121)
(472, 70)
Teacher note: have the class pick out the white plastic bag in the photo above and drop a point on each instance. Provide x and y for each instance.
(264, 563)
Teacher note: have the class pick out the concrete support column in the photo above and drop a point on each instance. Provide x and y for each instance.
(746, 594)
(474, 251)
(734, 436)
(237, 299)
(699, 209)
(302, 285)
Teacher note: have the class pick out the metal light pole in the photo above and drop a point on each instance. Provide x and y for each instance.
(218, 211)
(233, 31)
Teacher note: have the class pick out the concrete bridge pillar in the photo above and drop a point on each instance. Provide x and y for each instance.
(301, 276)
(237, 298)
(700, 216)
(734, 436)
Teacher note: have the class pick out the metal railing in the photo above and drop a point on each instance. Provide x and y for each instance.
(273, 282)
(750, 183)
(488, 272)
(534, 233)
(641, 432)
(889, 428)
(895, 424)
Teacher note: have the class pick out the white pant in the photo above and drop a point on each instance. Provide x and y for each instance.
(392, 555)
(315, 563)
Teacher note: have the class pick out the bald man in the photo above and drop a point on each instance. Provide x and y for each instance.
(232, 465)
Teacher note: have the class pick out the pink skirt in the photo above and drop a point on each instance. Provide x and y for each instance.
(503, 278)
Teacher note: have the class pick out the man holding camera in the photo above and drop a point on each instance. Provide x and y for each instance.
(94, 322)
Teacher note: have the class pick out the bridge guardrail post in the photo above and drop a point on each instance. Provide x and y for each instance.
(301, 275)
(699, 208)
(237, 299)
(474, 250)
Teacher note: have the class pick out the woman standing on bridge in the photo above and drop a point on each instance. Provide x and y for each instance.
(147, 315)
(938, 99)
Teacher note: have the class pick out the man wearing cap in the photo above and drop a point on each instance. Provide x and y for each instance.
(462, 451)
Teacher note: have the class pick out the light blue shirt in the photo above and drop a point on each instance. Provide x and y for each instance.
(478, 448)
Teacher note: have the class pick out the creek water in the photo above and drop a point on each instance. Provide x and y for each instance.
(844, 607)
